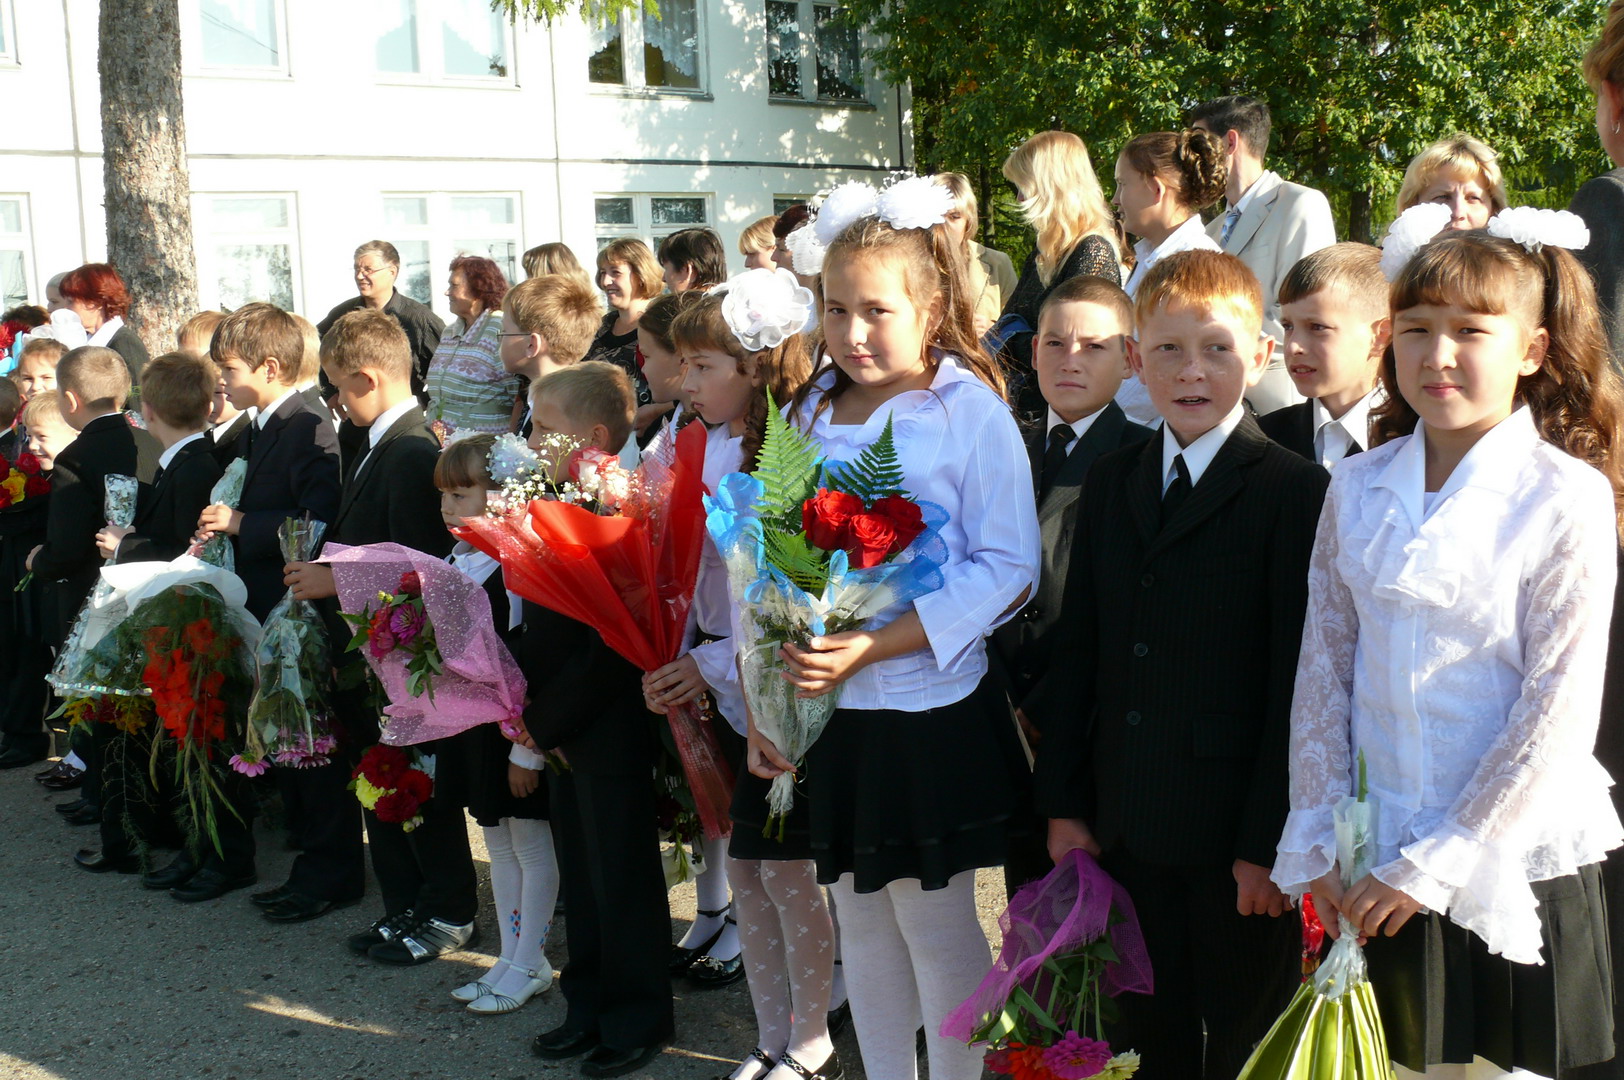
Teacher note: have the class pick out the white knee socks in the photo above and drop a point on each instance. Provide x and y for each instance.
(911, 955)
(710, 894)
(524, 882)
(788, 948)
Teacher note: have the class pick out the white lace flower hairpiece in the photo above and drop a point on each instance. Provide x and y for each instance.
(1408, 233)
(1535, 228)
(764, 307)
(917, 202)
(805, 251)
(842, 206)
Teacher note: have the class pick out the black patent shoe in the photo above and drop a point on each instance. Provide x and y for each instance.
(710, 973)
(178, 872)
(268, 898)
(385, 929)
(829, 1070)
(61, 777)
(211, 883)
(563, 1042)
(760, 1057)
(73, 807)
(682, 959)
(88, 814)
(99, 862)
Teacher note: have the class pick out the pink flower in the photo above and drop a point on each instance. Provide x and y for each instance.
(251, 767)
(1076, 1058)
(406, 622)
(381, 644)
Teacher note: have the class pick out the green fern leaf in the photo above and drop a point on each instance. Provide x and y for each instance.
(875, 474)
(788, 470)
(802, 563)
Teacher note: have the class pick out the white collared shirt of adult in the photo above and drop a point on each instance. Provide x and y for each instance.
(1190, 236)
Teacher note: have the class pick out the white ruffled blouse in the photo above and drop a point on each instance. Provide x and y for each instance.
(1462, 649)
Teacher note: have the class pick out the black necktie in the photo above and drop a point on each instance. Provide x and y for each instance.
(158, 476)
(1177, 491)
(1060, 437)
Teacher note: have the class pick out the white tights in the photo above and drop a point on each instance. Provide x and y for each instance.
(789, 954)
(710, 894)
(911, 956)
(1477, 1070)
(524, 883)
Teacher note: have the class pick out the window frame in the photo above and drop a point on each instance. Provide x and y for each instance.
(431, 56)
(23, 241)
(642, 225)
(631, 59)
(198, 66)
(8, 31)
(207, 240)
(439, 232)
(806, 22)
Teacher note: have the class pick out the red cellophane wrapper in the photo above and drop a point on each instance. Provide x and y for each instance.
(630, 577)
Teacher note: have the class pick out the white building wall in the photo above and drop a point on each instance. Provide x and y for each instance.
(329, 138)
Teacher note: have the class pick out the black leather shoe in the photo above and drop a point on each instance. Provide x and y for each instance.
(839, 1018)
(297, 907)
(683, 959)
(270, 897)
(563, 1042)
(88, 814)
(177, 873)
(71, 807)
(51, 770)
(63, 777)
(613, 1061)
(385, 929)
(211, 883)
(99, 862)
(713, 974)
(15, 757)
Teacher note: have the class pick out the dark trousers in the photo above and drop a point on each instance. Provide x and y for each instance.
(143, 803)
(1221, 978)
(430, 869)
(24, 695)
(619, 923)
(331, 864)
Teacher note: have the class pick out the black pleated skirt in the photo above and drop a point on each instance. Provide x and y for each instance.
(896, 795)
(483, 751)
(1445, 999)
(751, 839)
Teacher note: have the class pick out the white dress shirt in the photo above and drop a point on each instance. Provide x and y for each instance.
(174, 448)
(380, 427)
(1199, 454)
(1462, 651)
(104, 333)
(713, 600)
(1079, 428)
(264, 416)
(1334, 437)
(959, 448)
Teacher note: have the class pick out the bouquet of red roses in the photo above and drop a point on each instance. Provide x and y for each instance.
(392, 783)
(25, 479)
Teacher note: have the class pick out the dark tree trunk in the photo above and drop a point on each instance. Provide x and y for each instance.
(149, 213)
(1359, 216)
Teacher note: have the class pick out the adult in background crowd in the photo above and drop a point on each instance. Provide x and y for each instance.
(1459, 172)
(97, 294)
(554, 258)
(1061, 199)
(469, 390)
(377, 266)
(1601, 200)
(1268, 223)
(991, 274)
(791, 219)
(692, 259)
(630, 280)
(756, 243)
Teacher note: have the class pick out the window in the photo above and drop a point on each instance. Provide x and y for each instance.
(648, 217)
(241, 34)
(640, 48)
(246, 250)
(444, 39)
(8, 43)
(429, 230)
(812, 52)
(784, 202)
(15, 252)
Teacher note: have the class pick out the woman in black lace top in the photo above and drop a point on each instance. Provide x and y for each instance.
(1076, 234)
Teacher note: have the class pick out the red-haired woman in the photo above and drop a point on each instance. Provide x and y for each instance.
(469, 390)
(97, 295)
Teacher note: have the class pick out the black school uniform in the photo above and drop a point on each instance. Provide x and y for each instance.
(27, 621)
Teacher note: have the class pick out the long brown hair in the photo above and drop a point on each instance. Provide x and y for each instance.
(931, 268)
(1575, 397)
(701, 327)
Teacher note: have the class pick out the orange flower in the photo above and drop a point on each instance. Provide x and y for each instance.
(200, 637)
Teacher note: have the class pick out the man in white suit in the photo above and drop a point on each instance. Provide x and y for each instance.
(1268, 223)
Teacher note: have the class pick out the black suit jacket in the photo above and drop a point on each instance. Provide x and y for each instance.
(584, 699)
(292, 471)
(166, 514)
(106, 447)
(228, 443)
(1293, 428)
(1168, 731)
(1023, 644)
(1601, 203)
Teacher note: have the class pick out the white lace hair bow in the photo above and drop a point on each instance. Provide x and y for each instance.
(763, 307)
(914, 202)
(1534, 228)
(805, 251)
(1408, 233)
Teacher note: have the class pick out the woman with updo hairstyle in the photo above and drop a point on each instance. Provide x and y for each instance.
(1459, 172)
(468, 388)
(97, 294)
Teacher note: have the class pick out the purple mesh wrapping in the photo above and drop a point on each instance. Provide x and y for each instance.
(1071, 907)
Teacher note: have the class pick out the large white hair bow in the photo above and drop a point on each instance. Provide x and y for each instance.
(763, 307)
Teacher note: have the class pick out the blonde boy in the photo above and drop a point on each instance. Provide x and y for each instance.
(548, 322)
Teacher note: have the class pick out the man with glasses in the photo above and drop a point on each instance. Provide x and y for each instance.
(377, 264)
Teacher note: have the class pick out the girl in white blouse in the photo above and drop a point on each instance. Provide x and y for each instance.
(912, 784)
(1459, 599)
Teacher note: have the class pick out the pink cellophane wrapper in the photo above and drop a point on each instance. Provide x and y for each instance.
(481, 683)
(1068, 908)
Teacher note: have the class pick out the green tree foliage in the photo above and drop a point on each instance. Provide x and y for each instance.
(545, 11)
(1356, 88)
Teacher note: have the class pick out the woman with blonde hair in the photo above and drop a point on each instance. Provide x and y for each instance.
(630, 280)
(991, 274)
(1061, 199)
(1459, 172)
(554, 258)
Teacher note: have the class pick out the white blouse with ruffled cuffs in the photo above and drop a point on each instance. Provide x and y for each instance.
(959, 447)
(1463, 650)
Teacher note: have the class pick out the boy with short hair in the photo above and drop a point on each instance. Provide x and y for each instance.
(1333, 307)
(548, 323)
(585, 703)
(292, 450)
(427, 875)
(1164, 739)
(196, 334)
(1080, 356)
(308, 381)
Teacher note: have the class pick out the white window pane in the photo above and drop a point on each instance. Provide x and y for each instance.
(784, 202)
(613, 211)
(397, 35)
(504, 253)
(480, 211)
(405, 211)
(840, 60)
(13, 284)
(250, 272)
(239, 33)
(677, 211)
(11, 216)
(783, 48)
(607, 64)
(246, 215)
(671, 45)
(415, 279)
(475, 39)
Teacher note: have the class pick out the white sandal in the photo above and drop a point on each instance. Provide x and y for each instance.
(492, 1004)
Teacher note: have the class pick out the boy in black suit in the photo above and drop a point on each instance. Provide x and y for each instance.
(1080, 356)
(587, 703)
(389, 497)
(1333, 307)
(292, 450)
(1164, 735)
